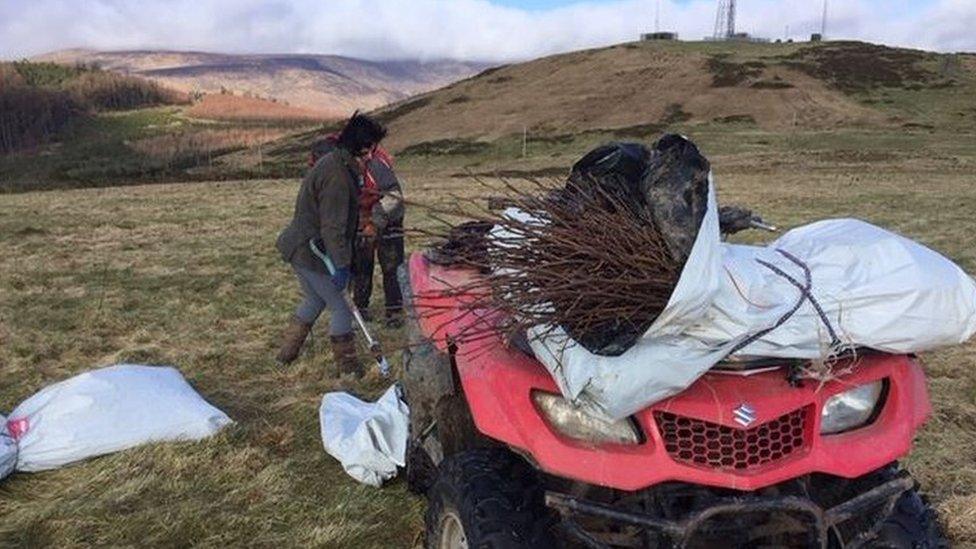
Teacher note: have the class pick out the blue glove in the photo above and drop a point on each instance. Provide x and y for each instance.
(341, 278)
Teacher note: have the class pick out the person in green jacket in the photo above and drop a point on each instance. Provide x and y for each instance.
(327, 213)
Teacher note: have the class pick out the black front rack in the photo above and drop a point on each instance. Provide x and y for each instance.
(683, 533)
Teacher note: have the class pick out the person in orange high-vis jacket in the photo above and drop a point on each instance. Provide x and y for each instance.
(380, 234)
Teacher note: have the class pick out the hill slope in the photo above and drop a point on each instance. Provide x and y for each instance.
(37, 100)
(654, 85)
(328, 84)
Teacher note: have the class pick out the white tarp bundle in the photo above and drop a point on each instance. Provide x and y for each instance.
(832, 284)
(369, 439)
(104, 411)
(8, 450)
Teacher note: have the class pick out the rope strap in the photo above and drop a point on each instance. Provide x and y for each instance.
(805, 295)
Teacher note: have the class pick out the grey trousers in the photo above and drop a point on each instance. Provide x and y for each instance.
(319, 293)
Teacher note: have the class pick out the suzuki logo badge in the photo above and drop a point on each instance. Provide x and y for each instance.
(744, 415)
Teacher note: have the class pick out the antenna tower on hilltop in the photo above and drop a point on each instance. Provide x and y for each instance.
(823, 22)
(725, 20)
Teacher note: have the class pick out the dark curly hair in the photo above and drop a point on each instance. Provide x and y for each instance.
(361, 132)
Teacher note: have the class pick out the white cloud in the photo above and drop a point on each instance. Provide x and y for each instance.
(466, 29)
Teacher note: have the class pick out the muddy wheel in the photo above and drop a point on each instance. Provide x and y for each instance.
(912, 525)
(421, 471)
(486, 499)
(440, 421)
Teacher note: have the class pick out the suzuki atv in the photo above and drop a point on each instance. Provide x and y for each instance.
(751, 455)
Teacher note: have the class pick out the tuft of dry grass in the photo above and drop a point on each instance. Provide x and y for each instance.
(187, 275)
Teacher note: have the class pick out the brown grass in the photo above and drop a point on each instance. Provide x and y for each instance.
(781, 87)
(238, 108)
(626, 86)
(176, 146)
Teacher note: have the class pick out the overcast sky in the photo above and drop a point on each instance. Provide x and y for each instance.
(486, 30)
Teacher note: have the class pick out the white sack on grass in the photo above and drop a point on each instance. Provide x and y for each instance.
(877, 290)
(108, 410)
(369, 439)
(8, 450)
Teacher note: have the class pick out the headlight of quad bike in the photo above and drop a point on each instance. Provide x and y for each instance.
(569, 420)
(850, 409)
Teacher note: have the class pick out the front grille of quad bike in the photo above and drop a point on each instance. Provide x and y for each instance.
(713, 446)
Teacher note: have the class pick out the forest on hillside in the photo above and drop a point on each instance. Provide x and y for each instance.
(37, 100)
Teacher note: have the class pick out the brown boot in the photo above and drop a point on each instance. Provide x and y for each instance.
(292, 340)
(345, 355)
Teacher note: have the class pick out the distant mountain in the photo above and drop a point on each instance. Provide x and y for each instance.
(328, 84)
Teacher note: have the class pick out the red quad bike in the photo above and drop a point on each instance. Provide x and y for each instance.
(748, 456)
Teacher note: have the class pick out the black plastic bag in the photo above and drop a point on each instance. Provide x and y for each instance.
(668, 186)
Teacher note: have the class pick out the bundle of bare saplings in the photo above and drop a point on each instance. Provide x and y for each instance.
(597, 255)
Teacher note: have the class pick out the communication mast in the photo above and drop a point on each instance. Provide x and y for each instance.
(725, 20)
(823, 22)
(658, 34)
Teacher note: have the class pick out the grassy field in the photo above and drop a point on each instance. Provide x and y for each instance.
(187, 275)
